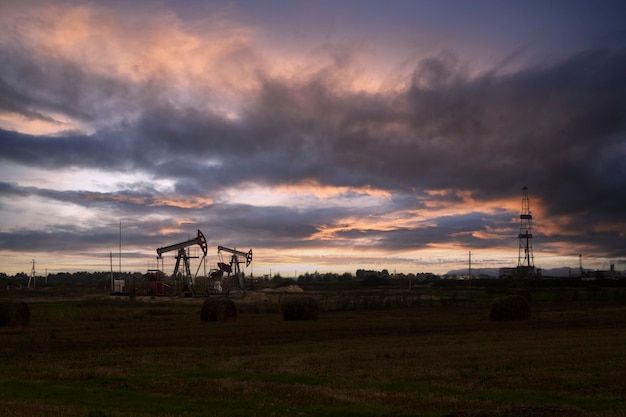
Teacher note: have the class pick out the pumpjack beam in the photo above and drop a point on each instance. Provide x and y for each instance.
(199, 240)
(237, 253)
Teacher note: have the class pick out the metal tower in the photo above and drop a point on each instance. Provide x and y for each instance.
(525, 260)
(32, 277)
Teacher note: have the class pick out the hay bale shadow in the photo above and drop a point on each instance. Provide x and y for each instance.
(300, 308)
(14, 314)
(511, 307)
(218, 309)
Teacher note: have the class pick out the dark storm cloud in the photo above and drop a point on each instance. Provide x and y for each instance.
(57, 239)
(67, 238)
(544, 125)
(16, 102)
(33, 87)
(270, 227)
(131, 201)
(555, 126)
(66, 151)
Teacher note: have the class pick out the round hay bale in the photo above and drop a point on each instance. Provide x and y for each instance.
(512, 307)
(14, 314)
(300, 308)
(521, 291)
(218, 309)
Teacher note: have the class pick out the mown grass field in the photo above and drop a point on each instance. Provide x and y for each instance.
(441, 356)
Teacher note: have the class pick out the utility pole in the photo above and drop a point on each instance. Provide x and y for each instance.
(580, 263)
(470, 268)
(112, 284)
(32, 276)
(120, 254)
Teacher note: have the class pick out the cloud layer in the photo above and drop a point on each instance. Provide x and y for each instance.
(174, 126)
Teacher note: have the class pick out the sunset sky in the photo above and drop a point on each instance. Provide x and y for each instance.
(325, 135)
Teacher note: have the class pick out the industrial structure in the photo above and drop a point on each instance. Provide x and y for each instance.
(233, 266)
(525, 259)
(182, 271)
(228, 275)
(32, 277)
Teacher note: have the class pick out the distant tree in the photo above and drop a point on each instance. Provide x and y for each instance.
(345, 277)
(278, 281)
(305, 278)
(375, 279)
(329, 277)
(424, 276)
(21, 275)
(361, 274)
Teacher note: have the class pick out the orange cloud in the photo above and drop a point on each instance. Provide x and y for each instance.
(490, 233)
(33, 125)
(455, 202)
(204, 53)
(326, 191)
(463, 203)
(189, 203)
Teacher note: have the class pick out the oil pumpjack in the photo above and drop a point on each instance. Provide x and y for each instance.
(237, 258)
(184, 257)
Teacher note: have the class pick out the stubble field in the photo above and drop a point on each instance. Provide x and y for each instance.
(101, 356)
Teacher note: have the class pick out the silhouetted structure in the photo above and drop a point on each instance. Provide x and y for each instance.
(525, 260)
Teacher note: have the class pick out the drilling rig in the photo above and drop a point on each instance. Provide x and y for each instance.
(237, 258)
(183, 257)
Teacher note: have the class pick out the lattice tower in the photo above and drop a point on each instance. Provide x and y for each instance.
(525, 255)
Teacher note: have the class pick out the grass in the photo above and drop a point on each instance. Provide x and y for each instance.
(113, 357)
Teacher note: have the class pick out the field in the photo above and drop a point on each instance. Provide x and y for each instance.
(437, 354)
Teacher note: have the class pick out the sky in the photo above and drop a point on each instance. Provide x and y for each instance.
(326, 136)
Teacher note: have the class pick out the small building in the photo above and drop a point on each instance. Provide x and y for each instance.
(507, 273)
(118, 286)
(527, 272)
